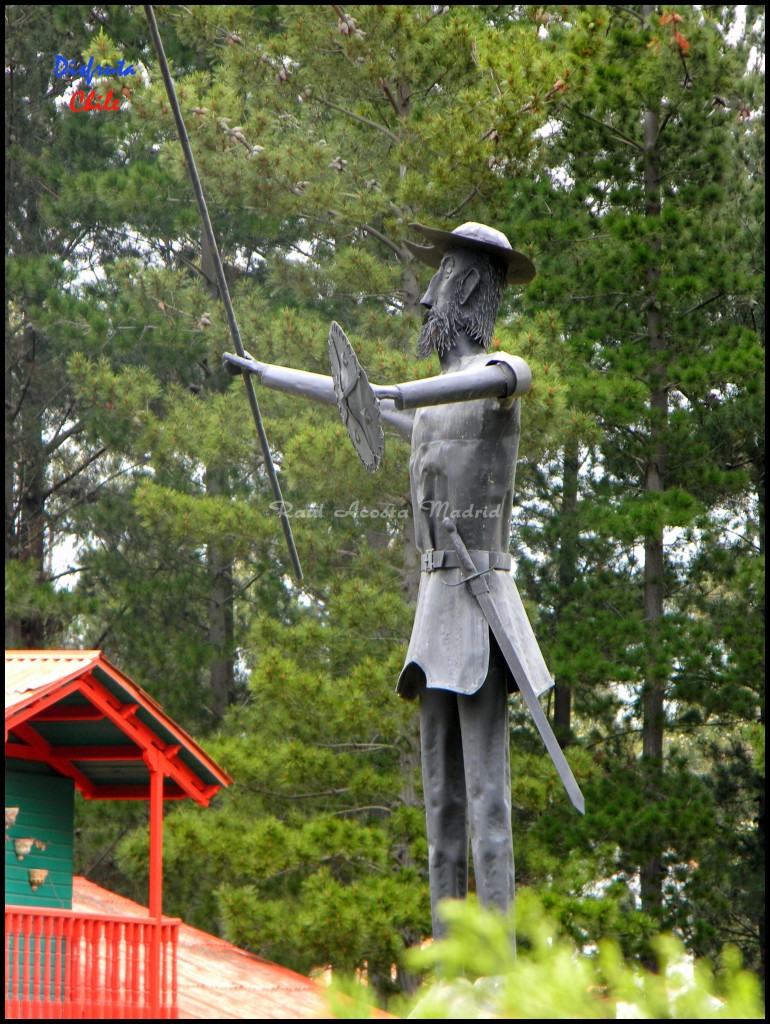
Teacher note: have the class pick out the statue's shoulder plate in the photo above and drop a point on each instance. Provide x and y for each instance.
(519, 367)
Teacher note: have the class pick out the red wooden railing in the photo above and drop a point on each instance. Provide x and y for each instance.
(63, 964)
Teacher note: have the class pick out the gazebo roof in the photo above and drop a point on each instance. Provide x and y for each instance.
(75, 714)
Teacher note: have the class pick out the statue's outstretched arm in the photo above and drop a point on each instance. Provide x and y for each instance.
(503, 377)
(317, 386)
(364, 406)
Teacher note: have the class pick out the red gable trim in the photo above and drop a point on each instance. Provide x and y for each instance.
(36, 684)
(38, 749)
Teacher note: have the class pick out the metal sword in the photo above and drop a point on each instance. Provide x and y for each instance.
(223, 289)
(478, 586)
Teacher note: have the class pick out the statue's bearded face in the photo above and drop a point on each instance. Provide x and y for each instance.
(452, 307)
(438, 331)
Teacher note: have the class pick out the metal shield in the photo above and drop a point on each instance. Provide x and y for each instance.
(356, 401)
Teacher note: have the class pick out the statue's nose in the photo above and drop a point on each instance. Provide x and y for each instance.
(429, 297)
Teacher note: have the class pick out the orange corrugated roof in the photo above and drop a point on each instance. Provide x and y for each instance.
(219, 981)
(27, 672)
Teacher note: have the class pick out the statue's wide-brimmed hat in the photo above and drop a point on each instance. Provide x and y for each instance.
(521, 270)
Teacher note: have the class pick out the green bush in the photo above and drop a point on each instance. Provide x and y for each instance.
(475, 973)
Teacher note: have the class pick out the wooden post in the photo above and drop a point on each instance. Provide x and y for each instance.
(155, 902)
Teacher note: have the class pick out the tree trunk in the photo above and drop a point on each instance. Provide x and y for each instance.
(25, 486)
(654, 483)
(562, 712)
(220, 613)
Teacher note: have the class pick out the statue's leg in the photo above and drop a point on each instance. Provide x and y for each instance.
(446, 806)
(486, 756)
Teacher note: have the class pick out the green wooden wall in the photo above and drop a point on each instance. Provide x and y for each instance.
(46, 812)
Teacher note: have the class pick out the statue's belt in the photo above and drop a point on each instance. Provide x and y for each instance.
(434, 559)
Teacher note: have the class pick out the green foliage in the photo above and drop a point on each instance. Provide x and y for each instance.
(313, 857)
(479, 975)
(317, 853)
(658, 337)
(26, 598)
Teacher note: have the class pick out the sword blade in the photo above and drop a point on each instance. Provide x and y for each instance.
(479, 587)
(487, 605)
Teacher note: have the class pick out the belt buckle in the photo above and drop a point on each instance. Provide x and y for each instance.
(429, 564)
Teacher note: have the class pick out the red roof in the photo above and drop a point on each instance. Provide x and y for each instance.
(78, 713)
(218, 981)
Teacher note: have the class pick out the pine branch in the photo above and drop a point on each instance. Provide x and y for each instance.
(400, 108)
(358, 117)
(365, 809)
(331, 859)
(59, 438)
(357, 746)
(613, 736)
(67, 572)
(109, 628)
(621, 136)
(296, 796)
(389, 96)
(632, 12)
(73, 243)
(89, 494)
(666, 119)
(462, 203)
(49, 402)
(97, 644)
(242, 589)
(15, 412)
(700, 305)
(385, 240)
(75, 472)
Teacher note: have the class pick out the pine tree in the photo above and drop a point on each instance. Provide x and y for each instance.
(654, 139)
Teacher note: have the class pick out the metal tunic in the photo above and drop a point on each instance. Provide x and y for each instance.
(463, 466)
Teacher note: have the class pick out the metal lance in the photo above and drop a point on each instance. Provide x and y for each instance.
(223, 289)
(476, 583)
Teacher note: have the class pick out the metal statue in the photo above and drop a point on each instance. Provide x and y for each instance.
(472, 644)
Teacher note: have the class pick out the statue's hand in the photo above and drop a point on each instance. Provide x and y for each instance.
(233, 368)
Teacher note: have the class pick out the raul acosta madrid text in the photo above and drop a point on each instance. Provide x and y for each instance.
(435, 509)
(81, 101)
